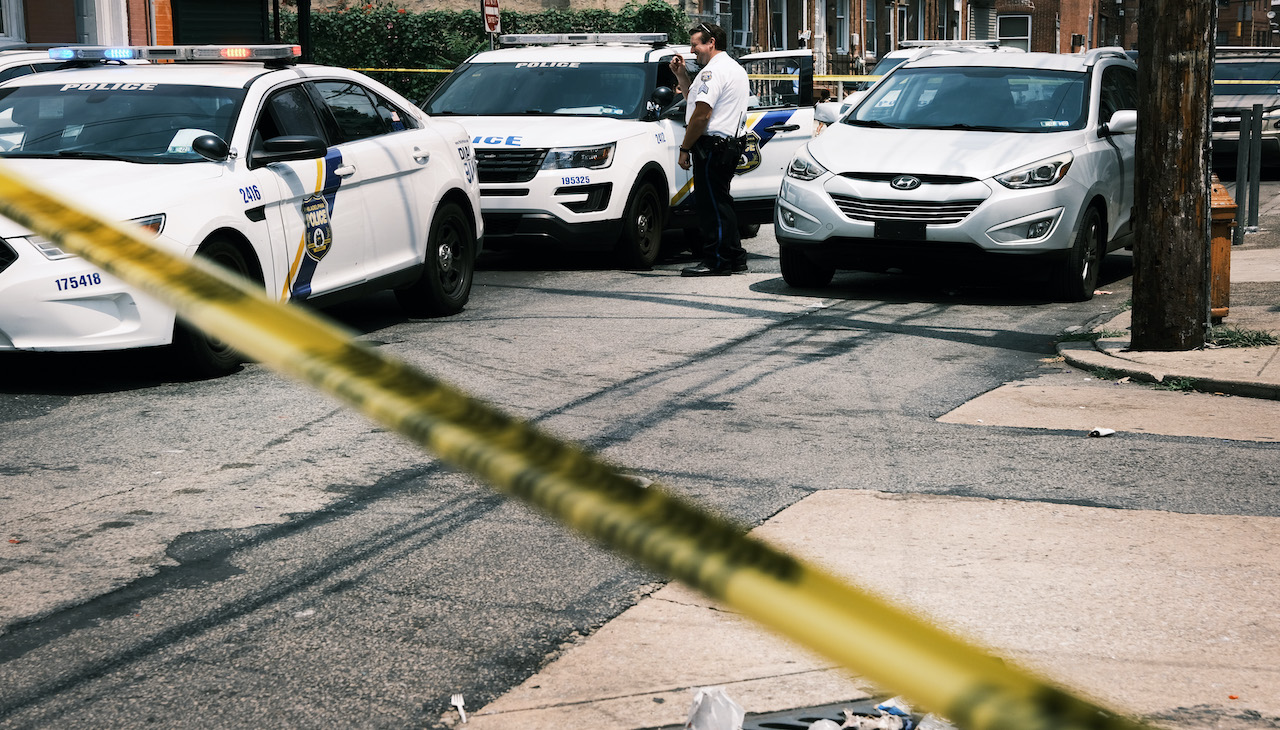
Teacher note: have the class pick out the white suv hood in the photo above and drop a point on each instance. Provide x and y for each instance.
(553, 131)
(979, 155)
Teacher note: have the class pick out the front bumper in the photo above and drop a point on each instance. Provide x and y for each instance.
(567, 205)
(807, 215)
(70, 305)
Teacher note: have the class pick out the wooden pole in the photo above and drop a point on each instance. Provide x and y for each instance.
(1171, 197)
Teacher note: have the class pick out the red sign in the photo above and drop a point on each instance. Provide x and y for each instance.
(491, 21)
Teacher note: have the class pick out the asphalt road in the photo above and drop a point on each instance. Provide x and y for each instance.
(243, 553)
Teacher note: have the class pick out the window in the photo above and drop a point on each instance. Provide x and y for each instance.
(288, 112)
(869, 33)
(1014, 30)
(741, 12)
(11, 20)
(352, 109)
(1119, 91)
(842, 26)
(778, 25)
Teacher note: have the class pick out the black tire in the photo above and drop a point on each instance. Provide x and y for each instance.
(800, 271)
(1078, 276)
(642, 223)
(748, 230)
(198, 353)
(444, 286)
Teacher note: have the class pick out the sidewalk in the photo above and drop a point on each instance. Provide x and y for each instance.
(1110, 603)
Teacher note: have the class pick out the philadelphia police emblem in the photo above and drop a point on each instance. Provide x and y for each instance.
(750, 158)
(319, 234)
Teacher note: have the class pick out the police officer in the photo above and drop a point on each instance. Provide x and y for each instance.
(715, 120)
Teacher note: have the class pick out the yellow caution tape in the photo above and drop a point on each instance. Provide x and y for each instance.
(937, 671)
(409, 70)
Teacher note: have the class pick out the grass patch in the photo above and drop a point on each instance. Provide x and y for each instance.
(1105, 373)
(1229, 336)
(1090, 336)
(1178, 384)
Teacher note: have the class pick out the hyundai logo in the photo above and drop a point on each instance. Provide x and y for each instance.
(905, 182)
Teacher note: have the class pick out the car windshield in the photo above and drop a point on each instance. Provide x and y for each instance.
(986, 99)
(130, 121)
(1262, 71)
(570, 88)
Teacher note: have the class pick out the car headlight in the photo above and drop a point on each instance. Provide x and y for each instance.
(152, 224)
(594, 158)
(1038, 174)
(804, 167)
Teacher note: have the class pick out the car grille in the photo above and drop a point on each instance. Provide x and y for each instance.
(927, 179)
(508, 166)
(7, 255)
(926, 211)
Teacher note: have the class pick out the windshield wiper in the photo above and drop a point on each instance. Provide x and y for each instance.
(869, 123)
(967, 127)
(87, 155)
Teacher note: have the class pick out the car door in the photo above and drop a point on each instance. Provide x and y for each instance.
(378, 141)
(1119, 90)
(670, 135)
(779, 121)
(319, 226)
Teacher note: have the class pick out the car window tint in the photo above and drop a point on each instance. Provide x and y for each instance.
(614, 90)
(288, 112)
(393, 116)
(1119, 91)
(995, 99)
(143, 122)
(15, 71)
(352, 109)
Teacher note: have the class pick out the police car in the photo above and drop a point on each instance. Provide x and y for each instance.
(577, 138)
(318, 183)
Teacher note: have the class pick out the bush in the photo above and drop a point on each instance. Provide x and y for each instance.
(382, 35)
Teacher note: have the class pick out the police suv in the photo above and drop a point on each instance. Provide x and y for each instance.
(316, 182)
(577, 138)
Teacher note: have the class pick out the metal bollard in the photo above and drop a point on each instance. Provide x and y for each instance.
(1222, 220)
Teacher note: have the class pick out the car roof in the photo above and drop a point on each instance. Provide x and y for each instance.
(23, 55)
(1047, 61)
(582, 53)
(226, 74)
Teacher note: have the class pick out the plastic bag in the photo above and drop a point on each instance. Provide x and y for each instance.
(712, 709)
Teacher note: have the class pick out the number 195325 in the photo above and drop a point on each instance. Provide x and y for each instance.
(76, 282)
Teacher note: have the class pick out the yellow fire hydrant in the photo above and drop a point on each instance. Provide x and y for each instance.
(1222, 218)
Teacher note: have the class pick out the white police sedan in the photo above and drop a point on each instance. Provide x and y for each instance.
(316, 182)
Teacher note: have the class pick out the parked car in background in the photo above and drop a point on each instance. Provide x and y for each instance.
(577, 138)
(316, 182)
(907, 49)
(1243, 77)
(970, 158)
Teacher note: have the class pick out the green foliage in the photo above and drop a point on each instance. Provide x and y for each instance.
(1084, 336)
(383, 35)
(1177, 383)
(1229, 336)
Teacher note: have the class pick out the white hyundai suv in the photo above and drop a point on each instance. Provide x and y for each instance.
(970, 158)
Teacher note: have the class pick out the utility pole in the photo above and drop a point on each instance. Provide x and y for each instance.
(1171, 195)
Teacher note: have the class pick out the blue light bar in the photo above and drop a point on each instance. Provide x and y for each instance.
(279, 53)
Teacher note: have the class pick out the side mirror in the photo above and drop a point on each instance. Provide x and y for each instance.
(663, 95)
(289, 148)
(211, 147)
(675, 111)
(1124, 121)
(827, 112)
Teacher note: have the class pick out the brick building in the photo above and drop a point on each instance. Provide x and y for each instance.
(137, 21)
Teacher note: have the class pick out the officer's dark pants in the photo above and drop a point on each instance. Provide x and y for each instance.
(714, 160)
